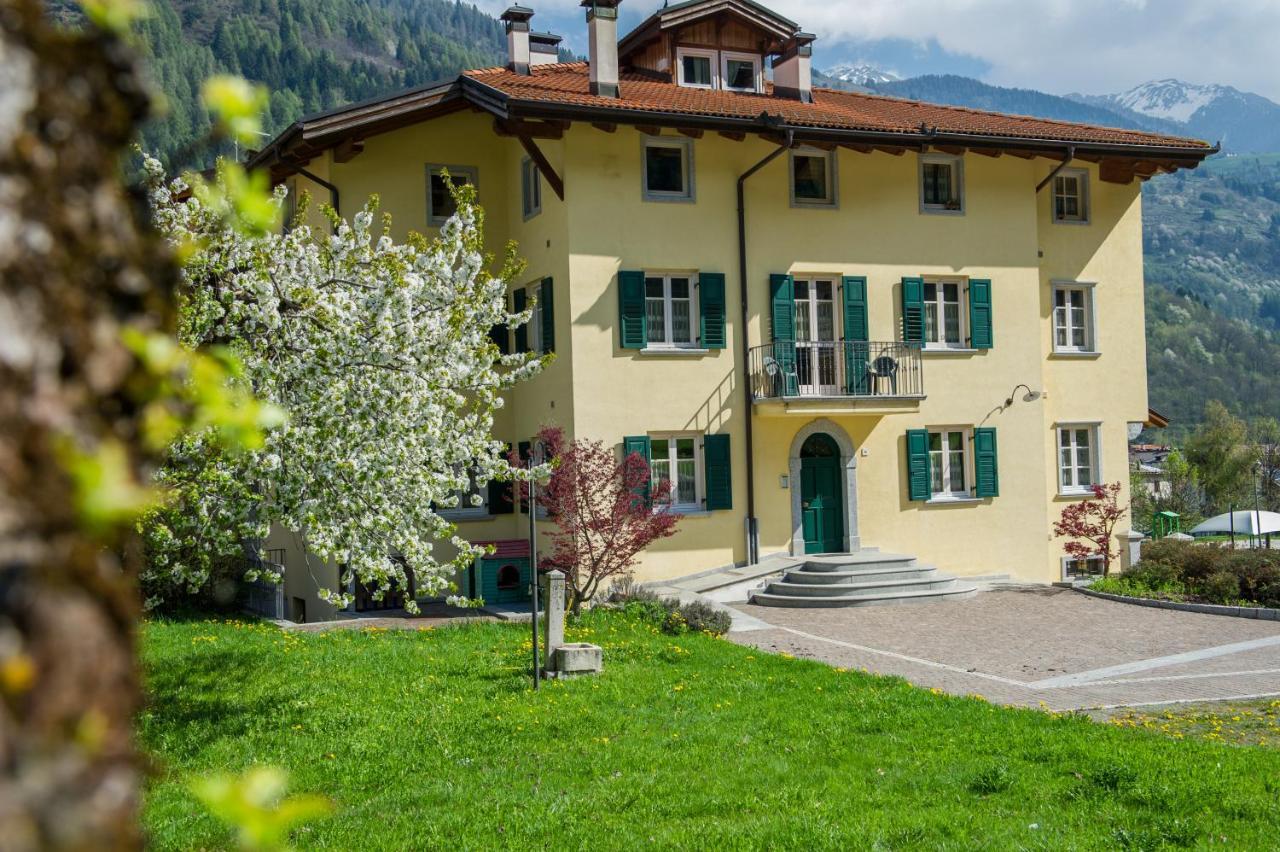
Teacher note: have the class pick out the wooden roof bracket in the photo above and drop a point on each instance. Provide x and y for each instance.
(544, 165)
(1071, 155)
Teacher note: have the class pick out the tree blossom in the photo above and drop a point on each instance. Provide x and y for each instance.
(380, 355)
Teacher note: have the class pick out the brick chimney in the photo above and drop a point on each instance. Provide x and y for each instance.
(517, 20)
(793, 69)
(602, 30)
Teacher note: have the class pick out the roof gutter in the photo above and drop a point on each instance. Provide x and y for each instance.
(1070, 155)
(752, 531)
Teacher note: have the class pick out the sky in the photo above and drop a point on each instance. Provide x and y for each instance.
(1057, 46)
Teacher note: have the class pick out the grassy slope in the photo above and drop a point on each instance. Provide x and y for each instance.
(429, 739)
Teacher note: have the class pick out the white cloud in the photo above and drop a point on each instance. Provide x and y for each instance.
(1055, 45)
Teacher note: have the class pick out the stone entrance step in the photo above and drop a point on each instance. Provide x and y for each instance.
(860, 579)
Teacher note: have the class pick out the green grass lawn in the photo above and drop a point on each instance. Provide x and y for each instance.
(429, 739)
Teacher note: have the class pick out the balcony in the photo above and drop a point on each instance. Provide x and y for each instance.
(840, 375)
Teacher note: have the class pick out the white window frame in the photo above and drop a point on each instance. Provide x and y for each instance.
(1082, 175)
(957, 179)
(465, 511)
(1090, 318)
(685, 145)
(699, 482)
(667, 314)
(962, 291)
(966, 442)
(832, 201)
(702, 53)
(530, 188)
(756, 65)
(472, 173)
(1095, 456)
(1067, 560)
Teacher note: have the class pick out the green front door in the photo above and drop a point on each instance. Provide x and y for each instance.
(821, 495)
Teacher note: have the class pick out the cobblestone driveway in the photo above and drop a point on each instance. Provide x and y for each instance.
(1038, 646)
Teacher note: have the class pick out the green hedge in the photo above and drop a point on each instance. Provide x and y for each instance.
(1178, 570)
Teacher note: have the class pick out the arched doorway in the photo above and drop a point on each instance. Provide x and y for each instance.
(821, 497)
(823, 480)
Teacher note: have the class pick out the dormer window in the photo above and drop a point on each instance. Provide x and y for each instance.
(697, 68)
(702, 68)
(740, 71)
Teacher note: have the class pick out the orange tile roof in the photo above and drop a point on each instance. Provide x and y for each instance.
(566, 84)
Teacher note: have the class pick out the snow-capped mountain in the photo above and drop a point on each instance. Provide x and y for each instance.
(1171, 99)
(859, 74)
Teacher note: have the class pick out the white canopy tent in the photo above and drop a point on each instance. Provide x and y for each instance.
(1241, 523)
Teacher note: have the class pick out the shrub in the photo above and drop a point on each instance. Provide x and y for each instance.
(1221, 587)
(702, 617)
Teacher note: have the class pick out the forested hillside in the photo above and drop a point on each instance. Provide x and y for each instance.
(313, 54)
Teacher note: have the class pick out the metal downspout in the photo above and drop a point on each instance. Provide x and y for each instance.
(333, 190)
(753, 533)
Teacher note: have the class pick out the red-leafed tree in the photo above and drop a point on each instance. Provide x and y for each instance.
(603, 511)
(1092, 523)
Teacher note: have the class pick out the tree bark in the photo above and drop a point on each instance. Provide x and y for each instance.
(78, 263)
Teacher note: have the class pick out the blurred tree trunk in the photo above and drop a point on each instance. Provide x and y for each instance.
(77, 264)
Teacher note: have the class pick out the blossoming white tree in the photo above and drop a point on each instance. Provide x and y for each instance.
(381, 356)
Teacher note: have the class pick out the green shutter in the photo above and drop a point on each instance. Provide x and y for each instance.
(518, 303)
(639, 444)
(718, 470)
(711, 309)
(855, 334)
(783, 301)
(631, 312)
(918, 464)
(913, 310)
(985, 464)
(980, 334)
(501, 494)
(547, 303)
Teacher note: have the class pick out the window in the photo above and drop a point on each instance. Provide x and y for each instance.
(668, 169)
(948, 463)
(674, 467)
(534, 328)
(668, 303)
(943, 317)
(696, 68)
(1071, 196)
(440, 203)
(740, 72)
(813, 178)
(1073, 319)
(530, 188)
(472, 501)
(1074, 568)
(1077, 458)
(941, 184)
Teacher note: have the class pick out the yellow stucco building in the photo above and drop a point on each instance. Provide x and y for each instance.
(830, 320)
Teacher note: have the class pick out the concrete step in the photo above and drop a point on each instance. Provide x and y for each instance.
(957, 592)
(856, 561)
(912, 572)
(879, 587)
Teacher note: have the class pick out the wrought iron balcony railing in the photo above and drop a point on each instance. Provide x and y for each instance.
(836, 370)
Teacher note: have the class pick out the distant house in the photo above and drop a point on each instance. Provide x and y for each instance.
(827, 319)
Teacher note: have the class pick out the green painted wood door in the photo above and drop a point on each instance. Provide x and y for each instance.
(822, 504)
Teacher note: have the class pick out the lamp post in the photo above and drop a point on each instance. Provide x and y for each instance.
(536, 453)
(1257, 518)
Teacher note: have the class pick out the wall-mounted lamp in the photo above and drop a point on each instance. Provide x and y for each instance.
(1029, 396)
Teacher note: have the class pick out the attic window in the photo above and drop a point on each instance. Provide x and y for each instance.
(740, 71)
(696, 67)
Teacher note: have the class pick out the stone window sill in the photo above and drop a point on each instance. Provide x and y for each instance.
(1069, 354)
(673, 351)
(951, 501)
(947, 350)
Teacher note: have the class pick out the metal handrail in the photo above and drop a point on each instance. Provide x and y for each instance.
(836, 369)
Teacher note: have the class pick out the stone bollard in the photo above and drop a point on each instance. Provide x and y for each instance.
(555, 613)
(1131, 551)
